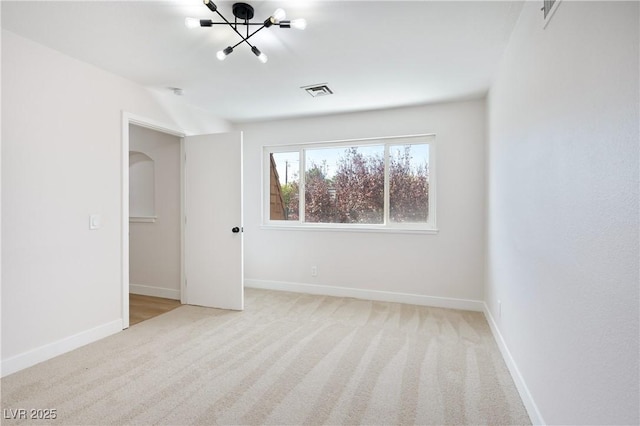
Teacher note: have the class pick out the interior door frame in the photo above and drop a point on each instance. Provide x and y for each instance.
(128, 119)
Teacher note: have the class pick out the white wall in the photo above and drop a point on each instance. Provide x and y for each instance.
(449, 264)
(563, 210)
(154, 248)
(61, 162)
(1, 240)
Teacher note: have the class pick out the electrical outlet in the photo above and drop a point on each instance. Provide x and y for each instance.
(314, 271)
(499, 309)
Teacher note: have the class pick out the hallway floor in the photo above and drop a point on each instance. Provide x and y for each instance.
(142, 308)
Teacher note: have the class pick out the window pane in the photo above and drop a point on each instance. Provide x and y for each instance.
(284, 179)
(409, 183)
(344, 185)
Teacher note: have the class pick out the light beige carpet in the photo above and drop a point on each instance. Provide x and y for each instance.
(287, 359)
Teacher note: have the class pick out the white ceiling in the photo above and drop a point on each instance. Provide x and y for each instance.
(372, 54)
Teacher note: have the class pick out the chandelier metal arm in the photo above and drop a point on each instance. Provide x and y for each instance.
(239, 23)
(246, 39)
(284, 24)
(254, 33)
(229, 23)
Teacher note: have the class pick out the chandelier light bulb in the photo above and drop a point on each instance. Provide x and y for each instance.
(279, 15)
(191, 22)
(212, 7)
(261, 56)
(222, 54)
(299, 24)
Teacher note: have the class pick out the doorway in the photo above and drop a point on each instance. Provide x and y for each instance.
(151, 217)
(142, 308)
(154, 220)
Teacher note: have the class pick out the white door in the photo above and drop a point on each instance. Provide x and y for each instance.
(213, 251)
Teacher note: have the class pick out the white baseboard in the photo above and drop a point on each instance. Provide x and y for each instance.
(523, 390)
(147, 290)
(51, 350)
(382, 296)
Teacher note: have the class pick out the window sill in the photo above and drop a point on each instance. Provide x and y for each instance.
(142, 219)
(364, 228)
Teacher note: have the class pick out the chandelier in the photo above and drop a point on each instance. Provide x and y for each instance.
(243, 13)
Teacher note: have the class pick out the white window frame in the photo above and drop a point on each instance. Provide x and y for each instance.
(428, 227)
(548, 14)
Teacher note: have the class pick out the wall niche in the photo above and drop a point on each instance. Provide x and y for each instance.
(141, 187)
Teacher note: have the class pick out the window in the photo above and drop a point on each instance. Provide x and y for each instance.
(548, 9)
(362, 184)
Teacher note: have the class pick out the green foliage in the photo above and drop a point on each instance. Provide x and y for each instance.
(290, 197)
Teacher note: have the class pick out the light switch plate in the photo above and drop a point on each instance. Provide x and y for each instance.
(94, 221)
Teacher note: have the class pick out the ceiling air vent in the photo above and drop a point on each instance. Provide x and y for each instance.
(318, 90)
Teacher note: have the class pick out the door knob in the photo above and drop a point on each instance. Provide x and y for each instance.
(235, 229)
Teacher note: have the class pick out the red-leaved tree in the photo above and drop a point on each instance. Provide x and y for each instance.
(318, 203)
(359, 188)
(408, 189)
(355, 194)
